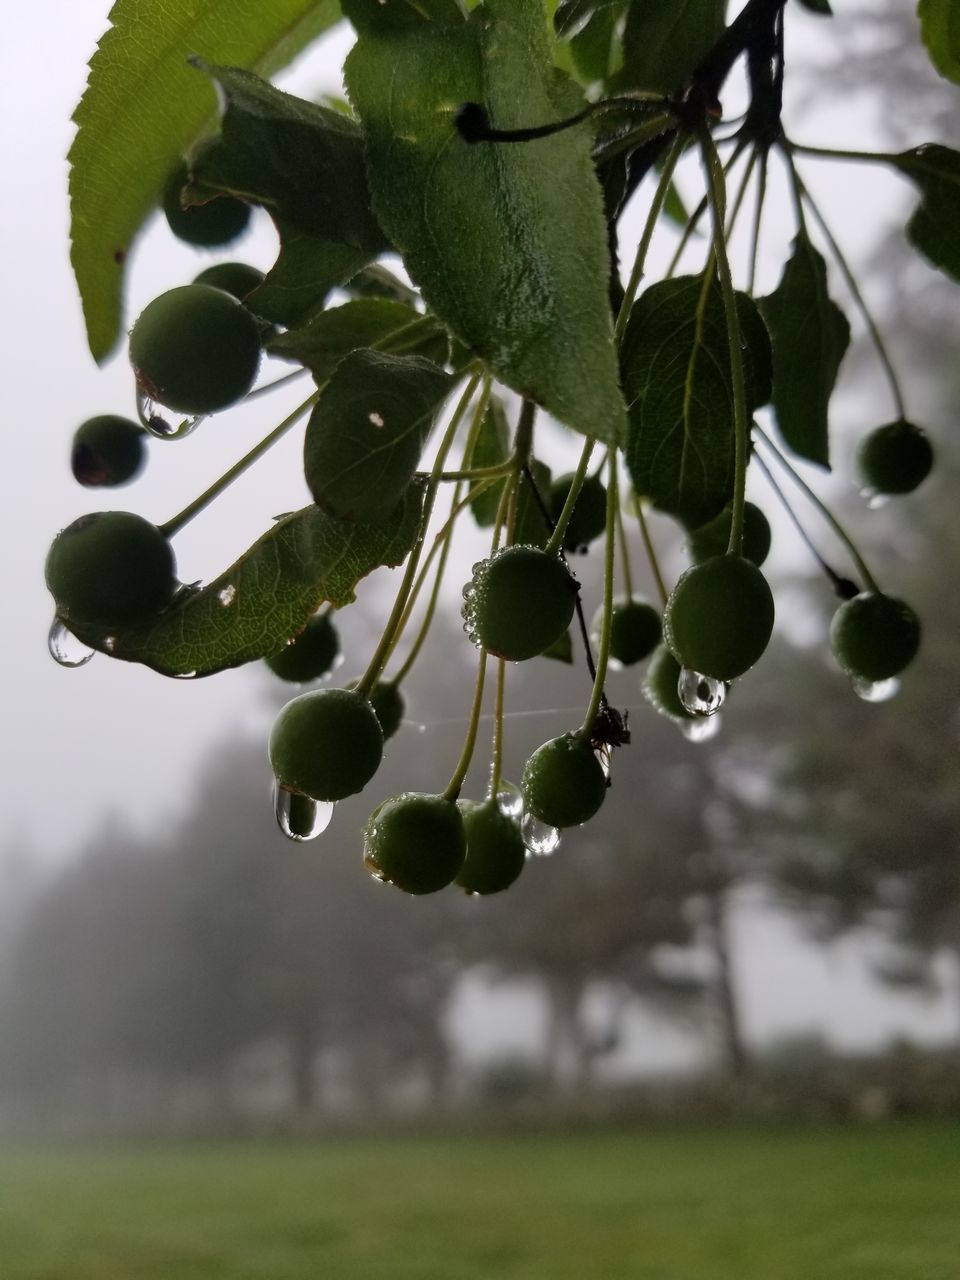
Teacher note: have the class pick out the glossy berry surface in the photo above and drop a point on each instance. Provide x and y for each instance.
(518, 602)
(660, 687)
(310, 655)
(712, 538)
(719, 617)
(110, 569)
(874, 636)
(195, 349)
(416, 842)
(895, 459)
(107, 450)
(635, 630)
(390, 706)
(236, 278)
(496, 853)
(206, 225)
(589, 518)
(563, 782)
(327, 744)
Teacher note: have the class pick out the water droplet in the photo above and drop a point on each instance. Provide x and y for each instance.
(603, 759)
(185, 675)
(158, 426)
(701, 695)
(375, 419)
(373, 869)
(299, 817)
(226, 595)
(65, 648)
(702, 729)
(509, 799)
(873, 499)
(185, 591)
(110, 643)
(876, 690)
(540, 840)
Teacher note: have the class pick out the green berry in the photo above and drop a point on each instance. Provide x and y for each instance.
(635, 630)
(496, 853)
(874, 636)
(719, 617)
(326, 744)
(236, 278)
(416, 842)
(895, 458)
(518, 602)
(207, 225)
(712, 539)
(589, 518)
(309, 655)
(195, 349)
(107, 450)
(110, 569)
(389, 704)
(563, 782)
(660, 688)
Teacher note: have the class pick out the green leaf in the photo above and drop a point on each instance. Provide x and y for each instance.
(935, 226)
(297, 285)
(368, 429)
(664, 40)
(818, 6)
(142, 107)
(940, 29)
(492, 446)
(366, 322)
(676, 374)
(307, 559)
(596, 49)
(508, 244)
(809, 335)
(396, 15)
(376, 281)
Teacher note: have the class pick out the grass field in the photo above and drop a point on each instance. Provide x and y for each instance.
(876, 1204)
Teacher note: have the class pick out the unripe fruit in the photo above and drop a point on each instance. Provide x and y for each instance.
(327, 744)
(563, 782)
(895, 458)
(519, 601)
(589, 518)
(415, 841)
(496, 853)
(309, 655)
(236, 278)
(660, 687)
(389, 704)
(215, 223)
(635, 630)
(719, 617)
(110, 569)
(712, 539)
(195, 349)
(107, 450)
(874, 636)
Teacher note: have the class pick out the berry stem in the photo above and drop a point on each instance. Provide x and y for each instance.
(496, 753)
(266, 387)
(463, 764)
(624, 555)
(649, 548)
(176, 523)
(869, 580)
(757, 221)
(555, 541)
(717, 196)
(694, 220)
(391, 630)
(598, 696)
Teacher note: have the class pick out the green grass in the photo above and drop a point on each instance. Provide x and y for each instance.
(876, 1204)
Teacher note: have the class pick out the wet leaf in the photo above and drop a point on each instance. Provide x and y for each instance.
(368, 429)
(297, 285)
(307, 559)
(676, 374)
(143, 101)
(487, 231)
(940, 29)
(935, 228)
(322, 343)
(809, 334)
(663, 41)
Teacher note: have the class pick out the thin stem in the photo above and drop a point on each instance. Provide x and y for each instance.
(741, 193)
(771, 480)
(833, 153)
(656, 208)
(757, 221)
(272, 386)
(496, 754)
(597, 696)
(391, 630)
(869, 580)
(694, 219)
(716, 193)
(480, 473)
(456, 782)
(573, 493)
(522, 445)
(176, 523)
(648, 546)
(624, 555)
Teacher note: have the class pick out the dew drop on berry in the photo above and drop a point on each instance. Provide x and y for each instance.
(373, 868)
(65, 648)
(538, 838)
(509, 799)
(876, 690)
(701, 695)
(153, 421)
(702, 729)
(873, 499)
(299, 817)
